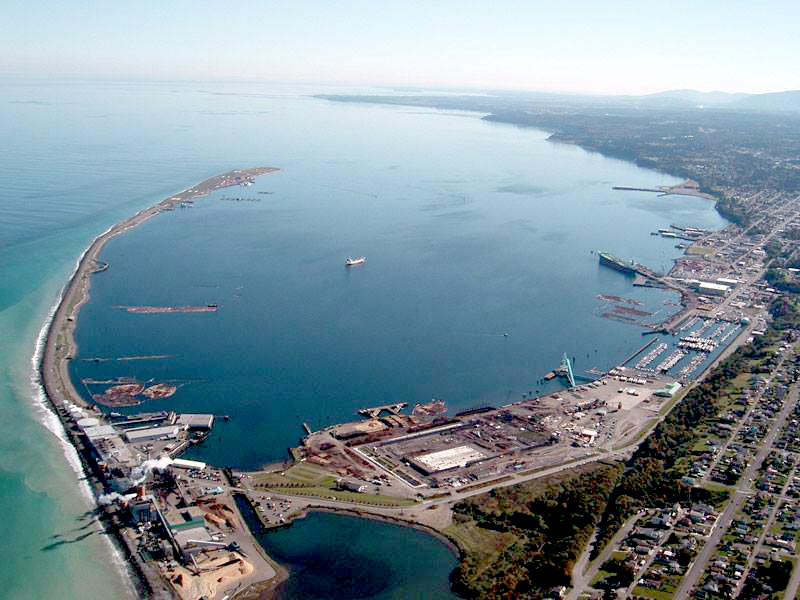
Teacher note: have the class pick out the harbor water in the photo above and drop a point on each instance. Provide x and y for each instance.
(480, 273)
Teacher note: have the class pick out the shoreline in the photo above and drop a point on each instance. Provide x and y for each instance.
(54, 391)
(51, 421)
(354, 512)
(60, 347)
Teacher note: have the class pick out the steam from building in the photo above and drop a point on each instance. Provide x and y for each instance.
(140, 473)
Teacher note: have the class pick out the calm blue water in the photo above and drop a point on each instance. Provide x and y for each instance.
(471, 230)
(369, 567)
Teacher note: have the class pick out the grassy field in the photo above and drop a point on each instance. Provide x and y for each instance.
(483, 543)
(301, 473)
(304, 479)
(329, 493)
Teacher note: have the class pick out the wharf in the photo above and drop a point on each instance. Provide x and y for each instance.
(637, 189)
(374, 412)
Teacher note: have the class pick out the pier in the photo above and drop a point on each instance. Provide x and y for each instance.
(637, 189)
(376, 411)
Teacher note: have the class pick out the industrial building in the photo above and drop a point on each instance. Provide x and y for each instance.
(99, 432)
(669, 391)
(451, 458)
(727, 281)
(712, 289)
(182, 463)
(195, 422)
(350, 485)
(167, 432)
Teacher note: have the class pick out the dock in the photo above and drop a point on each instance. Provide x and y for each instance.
(637, 189)
(376, 411)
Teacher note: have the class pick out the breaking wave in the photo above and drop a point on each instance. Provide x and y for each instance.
(54, 425)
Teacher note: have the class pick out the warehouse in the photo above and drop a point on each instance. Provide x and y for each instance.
(712, 289)
(727, 281)
(452, 458)
(167, 432)
(100, 432)
(193, 422)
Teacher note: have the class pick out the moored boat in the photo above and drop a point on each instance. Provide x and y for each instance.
(609, 260)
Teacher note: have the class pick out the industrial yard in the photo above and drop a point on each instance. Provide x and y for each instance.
(417, 456)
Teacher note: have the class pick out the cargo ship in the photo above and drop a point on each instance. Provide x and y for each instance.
(350, 262)
(609, 260)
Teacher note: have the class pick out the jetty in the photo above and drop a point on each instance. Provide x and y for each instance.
(376, 411)
(637, 189)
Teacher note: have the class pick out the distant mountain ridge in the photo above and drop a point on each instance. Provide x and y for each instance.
(789, 100)
(772, 101)
(492, 101)
(699, 98)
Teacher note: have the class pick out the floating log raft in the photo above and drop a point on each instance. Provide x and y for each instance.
(159, 310)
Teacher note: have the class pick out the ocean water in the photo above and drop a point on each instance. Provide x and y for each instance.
(472, 230)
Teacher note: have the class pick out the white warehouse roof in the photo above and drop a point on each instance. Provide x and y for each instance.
(88, 422)
(100, 432)
(152, 433)
(196, 421)
(442, 460)
(717, 287)
(188, 464)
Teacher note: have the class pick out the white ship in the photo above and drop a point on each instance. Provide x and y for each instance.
(350, 262)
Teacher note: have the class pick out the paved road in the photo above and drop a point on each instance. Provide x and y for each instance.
(581, 578)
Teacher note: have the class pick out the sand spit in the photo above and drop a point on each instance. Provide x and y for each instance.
(60, 347)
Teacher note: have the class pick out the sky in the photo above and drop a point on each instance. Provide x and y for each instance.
(573, 46)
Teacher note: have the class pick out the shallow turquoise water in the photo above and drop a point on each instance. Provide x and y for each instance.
(471, 230)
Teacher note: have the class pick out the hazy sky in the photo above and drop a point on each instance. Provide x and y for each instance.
(602, 46)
